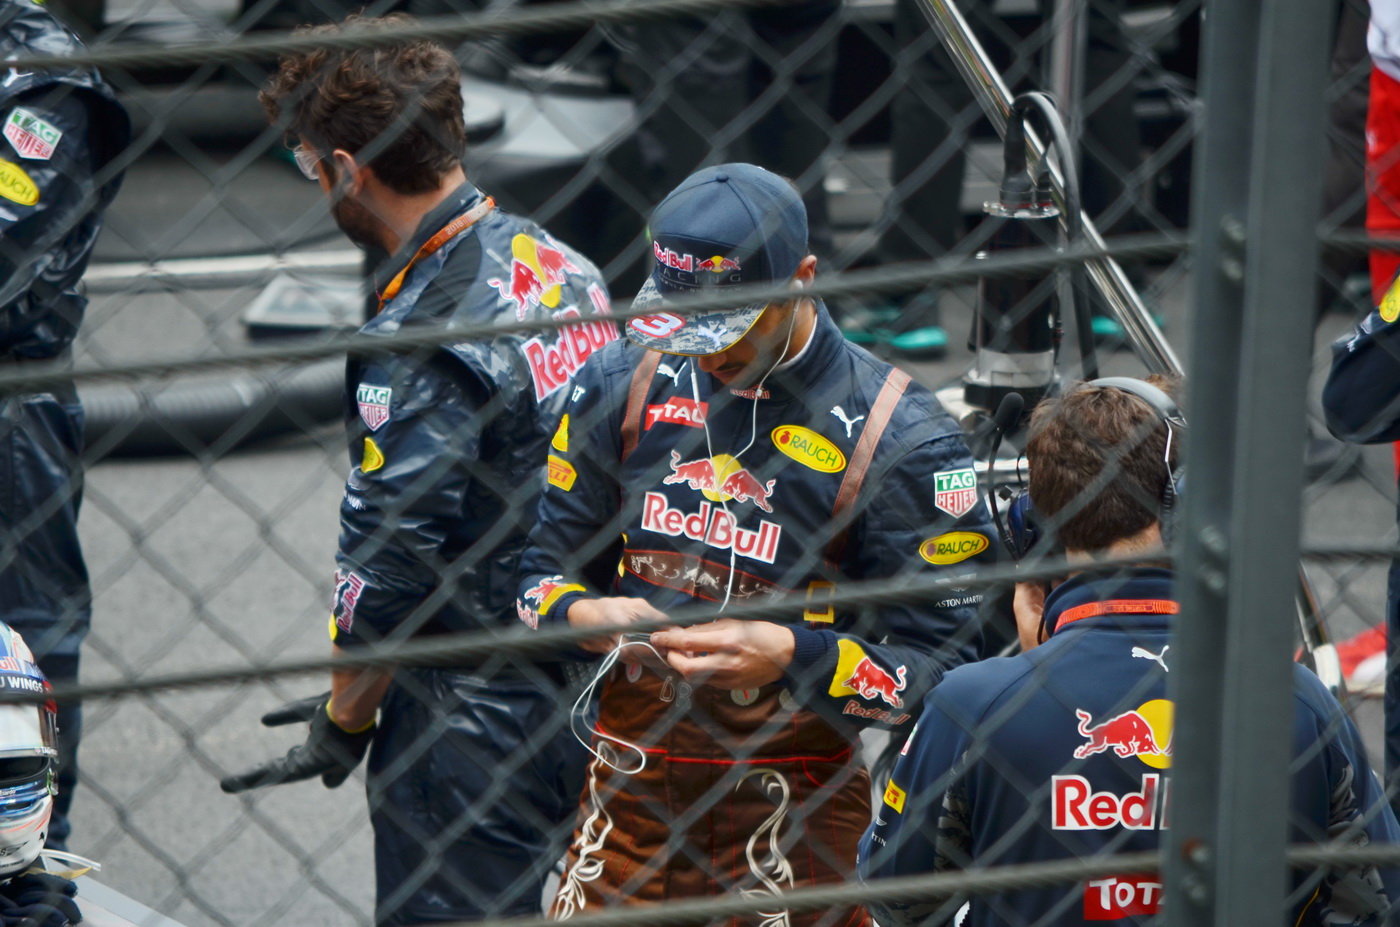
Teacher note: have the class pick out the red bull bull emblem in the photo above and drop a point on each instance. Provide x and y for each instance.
(718, 265)
(871, 680)
(537, 274)
(1144, 733)
(539, 593)
(721, 479)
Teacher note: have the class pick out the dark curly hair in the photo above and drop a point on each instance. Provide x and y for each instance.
(1098, 464)
(398, 106)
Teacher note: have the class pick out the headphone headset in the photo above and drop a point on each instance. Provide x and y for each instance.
(1022, 531)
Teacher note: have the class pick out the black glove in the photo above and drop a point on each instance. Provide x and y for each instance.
(330, 751)
(37, 899)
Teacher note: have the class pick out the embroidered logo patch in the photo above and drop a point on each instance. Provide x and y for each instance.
(955, 491)
(31, 136)
(374, 405)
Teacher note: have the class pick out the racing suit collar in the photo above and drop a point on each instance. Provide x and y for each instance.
(1129, 589)
(457, 202)
(803, 373)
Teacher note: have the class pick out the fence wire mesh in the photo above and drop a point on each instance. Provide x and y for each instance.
(228, 465)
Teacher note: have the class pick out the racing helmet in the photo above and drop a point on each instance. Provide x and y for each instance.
(28, 757)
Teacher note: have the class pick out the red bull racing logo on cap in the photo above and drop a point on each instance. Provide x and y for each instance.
(1145, 732)
(721, 479)
(718, 265)
(537, 275)
(857, 674)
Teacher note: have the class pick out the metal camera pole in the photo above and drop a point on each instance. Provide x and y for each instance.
(991, 93)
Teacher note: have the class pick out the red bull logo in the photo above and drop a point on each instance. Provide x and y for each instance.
(721, 479)
(674, 259)
(871, 680)
(544, 590)
(1128, 734)
(553, 363)
(1076, 806)
(711, 525)
(718, 265)
(543, 596)
(537, 274)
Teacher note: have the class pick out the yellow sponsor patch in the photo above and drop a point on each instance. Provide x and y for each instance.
(16, 185)
(953, 547)
(809, 448)
(849, 655)
(894, 797)
(560, 441)
(561, 473)
(1390, 303)
(818, 594)
(373, 458)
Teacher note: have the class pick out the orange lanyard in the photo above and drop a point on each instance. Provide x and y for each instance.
(445, 234)
(1118, 607)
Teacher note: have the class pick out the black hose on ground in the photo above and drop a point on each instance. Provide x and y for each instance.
(210, 418)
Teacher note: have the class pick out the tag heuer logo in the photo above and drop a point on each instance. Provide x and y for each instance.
(374, 405)
(955, 491)
(32, 137)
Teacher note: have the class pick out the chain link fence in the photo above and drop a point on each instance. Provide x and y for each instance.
(223, 300)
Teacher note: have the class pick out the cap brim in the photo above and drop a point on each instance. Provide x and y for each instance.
(690, 335)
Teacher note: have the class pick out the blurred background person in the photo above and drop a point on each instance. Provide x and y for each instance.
(60, 167)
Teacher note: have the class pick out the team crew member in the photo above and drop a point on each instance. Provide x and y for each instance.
(1362, 402)
(62, 129)
(1065, 751)
(750, 453)
(431, 530)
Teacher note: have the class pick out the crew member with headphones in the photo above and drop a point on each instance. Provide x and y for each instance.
(723, 458)
(1065, 751)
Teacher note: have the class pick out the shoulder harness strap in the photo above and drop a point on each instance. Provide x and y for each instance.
(896, 381)
(636, 401)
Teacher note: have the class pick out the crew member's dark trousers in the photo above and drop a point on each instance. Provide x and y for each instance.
(43, 581)
(473, 788)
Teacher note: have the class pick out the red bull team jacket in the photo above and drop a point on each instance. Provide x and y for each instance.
(1065, 752)
(435, 509)
(750, 479)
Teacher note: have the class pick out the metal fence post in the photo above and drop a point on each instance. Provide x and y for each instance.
(1257, 195)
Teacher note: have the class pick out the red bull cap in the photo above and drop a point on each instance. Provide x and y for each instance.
(729, 225)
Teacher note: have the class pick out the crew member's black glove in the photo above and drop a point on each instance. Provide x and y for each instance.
(38, 899)
(330, 751)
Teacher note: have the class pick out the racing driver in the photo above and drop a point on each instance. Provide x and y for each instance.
(722, 457)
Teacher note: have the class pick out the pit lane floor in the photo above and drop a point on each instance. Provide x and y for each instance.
(217, 563)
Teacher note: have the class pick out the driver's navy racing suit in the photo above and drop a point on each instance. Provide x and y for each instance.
(659, 480)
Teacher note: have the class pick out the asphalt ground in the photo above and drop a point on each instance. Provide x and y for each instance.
(217, 563)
